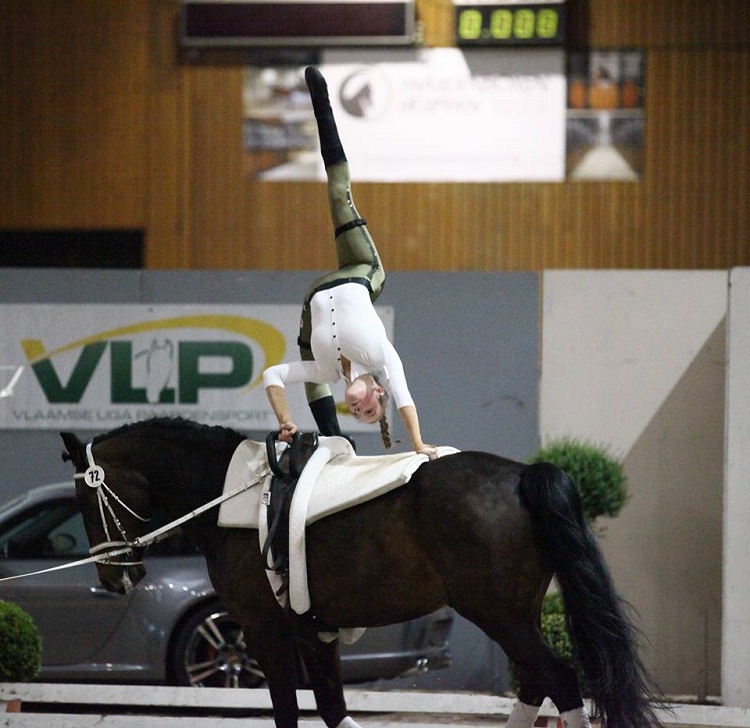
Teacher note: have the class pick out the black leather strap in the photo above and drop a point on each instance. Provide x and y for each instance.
(359, 222)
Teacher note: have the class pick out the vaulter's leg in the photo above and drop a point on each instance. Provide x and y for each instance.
(354, 245)
(355, 250)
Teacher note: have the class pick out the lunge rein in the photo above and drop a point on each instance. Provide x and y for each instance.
(103, 553)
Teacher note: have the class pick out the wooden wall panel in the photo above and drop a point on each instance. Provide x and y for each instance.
(215, 132)
(102, 124)
(168, 188)
(287, 226)
(667, 23)
(72, 99)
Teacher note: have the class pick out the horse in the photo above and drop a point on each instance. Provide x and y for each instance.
(475, 531)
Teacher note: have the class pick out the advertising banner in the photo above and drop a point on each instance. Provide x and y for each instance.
(100, 366)
(432, 115)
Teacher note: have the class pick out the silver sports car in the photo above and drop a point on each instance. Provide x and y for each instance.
(171, 628)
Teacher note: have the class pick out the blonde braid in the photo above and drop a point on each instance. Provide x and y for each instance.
(385, 432)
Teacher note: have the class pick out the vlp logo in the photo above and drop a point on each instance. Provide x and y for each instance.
(174, 367)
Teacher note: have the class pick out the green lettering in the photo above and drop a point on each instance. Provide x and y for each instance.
(84, 368)
(121, 363)
(192, 379)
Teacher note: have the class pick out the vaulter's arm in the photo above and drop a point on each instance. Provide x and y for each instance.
(411, 423)
(275, 378)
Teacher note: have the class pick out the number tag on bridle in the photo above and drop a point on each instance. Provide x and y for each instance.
(94, 476)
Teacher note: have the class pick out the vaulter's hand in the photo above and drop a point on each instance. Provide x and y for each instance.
(429, 450)
(287, 431)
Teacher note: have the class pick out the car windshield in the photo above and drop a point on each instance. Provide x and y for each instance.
(54, 529)
(49, 530)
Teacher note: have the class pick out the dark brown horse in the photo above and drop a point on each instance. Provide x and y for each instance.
(472, 530)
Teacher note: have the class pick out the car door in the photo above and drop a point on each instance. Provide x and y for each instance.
(75, 615)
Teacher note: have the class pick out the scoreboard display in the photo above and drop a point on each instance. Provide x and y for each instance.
(509, 23)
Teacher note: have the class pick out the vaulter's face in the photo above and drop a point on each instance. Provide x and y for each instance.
(363, 400)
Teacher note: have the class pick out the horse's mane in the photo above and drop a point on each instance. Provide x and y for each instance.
(178, 427)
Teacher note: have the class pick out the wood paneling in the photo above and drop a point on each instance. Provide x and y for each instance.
(73, 113)
(101, 125)
(168, 187)
(215, 113)
(667, 23)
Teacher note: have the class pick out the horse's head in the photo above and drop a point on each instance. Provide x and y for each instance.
(114, 502)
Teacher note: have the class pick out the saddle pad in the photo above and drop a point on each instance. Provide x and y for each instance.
(248, 464)
(346, 480)
(334, 478)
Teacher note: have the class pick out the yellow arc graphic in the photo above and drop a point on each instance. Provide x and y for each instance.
(269, 337)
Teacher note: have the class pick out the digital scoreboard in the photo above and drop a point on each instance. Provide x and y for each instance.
(509, 23)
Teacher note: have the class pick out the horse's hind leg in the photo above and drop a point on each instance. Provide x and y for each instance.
(541, 673)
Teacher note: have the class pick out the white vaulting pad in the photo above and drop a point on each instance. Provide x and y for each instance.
(247, 465)
(334, 478)
(346, 480)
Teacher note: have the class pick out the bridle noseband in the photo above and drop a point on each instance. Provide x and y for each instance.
(94, 478)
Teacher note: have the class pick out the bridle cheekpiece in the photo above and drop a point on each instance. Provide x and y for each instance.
(93, 477)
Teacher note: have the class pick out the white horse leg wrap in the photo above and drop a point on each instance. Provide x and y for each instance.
(577, 718)
(348, 723)
(522, 715)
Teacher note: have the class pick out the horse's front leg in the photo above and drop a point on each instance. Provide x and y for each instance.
(273, 646)
(322, 661)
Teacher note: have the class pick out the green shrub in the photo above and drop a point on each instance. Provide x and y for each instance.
(597, 474)
(555, 634)
(553, 626)
(20, 644)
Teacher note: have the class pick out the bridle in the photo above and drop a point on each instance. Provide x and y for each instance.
(94, 478)
(104, 552)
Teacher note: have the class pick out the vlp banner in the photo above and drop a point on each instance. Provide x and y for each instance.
(100, 366)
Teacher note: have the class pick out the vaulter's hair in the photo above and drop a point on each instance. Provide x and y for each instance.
(385, 430)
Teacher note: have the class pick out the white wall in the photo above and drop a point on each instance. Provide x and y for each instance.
(635, 360)
(735, 673)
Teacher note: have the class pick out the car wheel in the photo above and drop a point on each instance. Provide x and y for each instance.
(209, 651)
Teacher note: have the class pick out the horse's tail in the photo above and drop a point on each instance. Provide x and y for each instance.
(603, 636)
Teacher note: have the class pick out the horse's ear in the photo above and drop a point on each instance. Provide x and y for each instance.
(74, 448)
